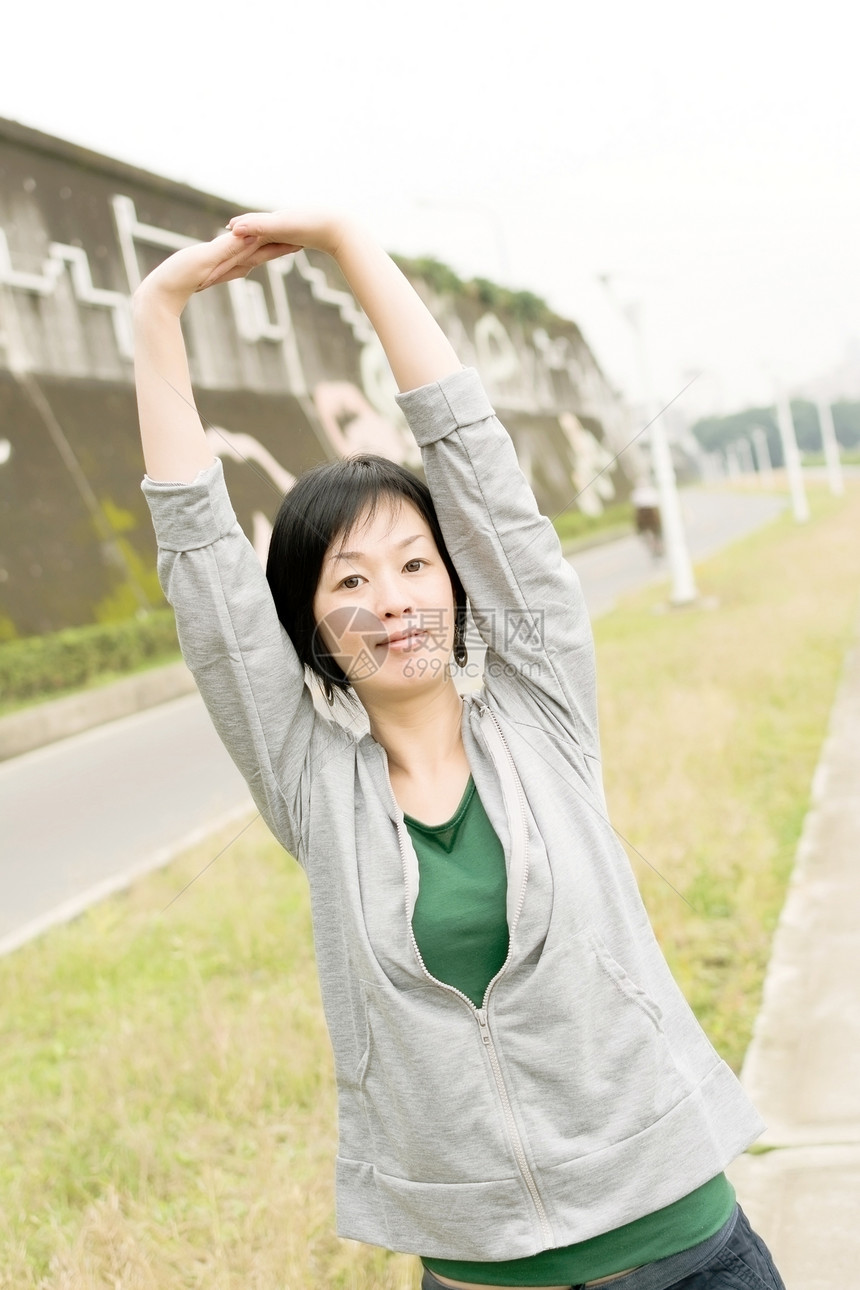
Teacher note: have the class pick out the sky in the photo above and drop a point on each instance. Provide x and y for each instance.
(680, 179)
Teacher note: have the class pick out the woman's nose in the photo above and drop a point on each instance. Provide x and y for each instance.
(393, 600)
(396, 608)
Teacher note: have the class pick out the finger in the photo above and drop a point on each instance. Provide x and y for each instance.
(243, 225)
(236, 267)
(271, 251)
(236, 243)
(256, 251)
(260, 224)
(261, 255)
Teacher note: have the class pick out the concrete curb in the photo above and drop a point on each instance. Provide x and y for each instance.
(803, 1202)
(802, 1067)
(45, 723)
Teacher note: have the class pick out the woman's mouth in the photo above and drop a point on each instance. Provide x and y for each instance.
(402, 641)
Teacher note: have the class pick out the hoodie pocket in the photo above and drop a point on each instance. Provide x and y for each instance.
(584, 1051)
(426, 1090)
(625, 983)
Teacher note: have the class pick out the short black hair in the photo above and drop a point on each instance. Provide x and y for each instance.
(324, 504)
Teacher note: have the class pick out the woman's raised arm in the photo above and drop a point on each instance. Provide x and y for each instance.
(174, 442)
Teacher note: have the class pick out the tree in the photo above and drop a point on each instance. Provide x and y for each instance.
(715, 434)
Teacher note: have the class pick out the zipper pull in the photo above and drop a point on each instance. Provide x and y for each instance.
(482, 1022)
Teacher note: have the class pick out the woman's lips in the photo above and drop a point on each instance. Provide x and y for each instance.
(404, 641)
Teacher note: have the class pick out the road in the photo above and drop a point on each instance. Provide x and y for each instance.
(711, 519)
(87, 815)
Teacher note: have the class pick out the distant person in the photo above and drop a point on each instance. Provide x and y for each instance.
(524, 1096)
(646, 511)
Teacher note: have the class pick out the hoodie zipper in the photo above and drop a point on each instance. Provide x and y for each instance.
(513, 1131)
(483, 1018)
(480, 1014)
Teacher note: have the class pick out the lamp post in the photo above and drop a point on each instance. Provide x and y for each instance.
(683, 589)
(744, 453)
(762, 454)
(831, 450)
(790, 452)
(733, 465)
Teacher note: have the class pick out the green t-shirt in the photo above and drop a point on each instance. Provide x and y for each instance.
(460, 926)
(460, 917)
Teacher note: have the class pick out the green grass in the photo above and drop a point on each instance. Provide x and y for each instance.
(165, 1080)
(848, 457)
(712, 722)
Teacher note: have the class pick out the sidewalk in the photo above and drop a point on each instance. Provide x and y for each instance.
(803, 1065)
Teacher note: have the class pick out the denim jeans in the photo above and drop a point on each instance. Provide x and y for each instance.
(734, 1258)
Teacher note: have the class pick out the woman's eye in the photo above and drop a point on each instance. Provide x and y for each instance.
(351, 582)
(414, 565)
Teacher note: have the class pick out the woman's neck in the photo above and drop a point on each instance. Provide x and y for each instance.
(420, 734)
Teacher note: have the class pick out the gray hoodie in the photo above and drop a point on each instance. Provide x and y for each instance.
(582, 1094)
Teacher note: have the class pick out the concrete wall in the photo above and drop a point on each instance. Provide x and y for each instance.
(286, 369)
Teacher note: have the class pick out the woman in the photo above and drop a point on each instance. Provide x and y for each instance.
(524, 1096)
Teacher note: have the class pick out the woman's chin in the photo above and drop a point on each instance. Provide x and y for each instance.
(406, 673)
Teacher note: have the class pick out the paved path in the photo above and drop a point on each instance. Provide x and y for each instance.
(712, 519)
(86, 815)
(803, 1066)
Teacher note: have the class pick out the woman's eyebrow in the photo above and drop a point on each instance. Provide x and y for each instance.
(358, 555)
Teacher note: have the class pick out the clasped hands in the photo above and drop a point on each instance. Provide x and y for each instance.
(251, 240)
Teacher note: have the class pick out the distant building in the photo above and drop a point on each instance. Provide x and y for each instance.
(286, 368)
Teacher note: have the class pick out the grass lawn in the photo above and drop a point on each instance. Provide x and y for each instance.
(165, 1081)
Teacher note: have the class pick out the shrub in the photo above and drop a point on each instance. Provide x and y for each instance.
(42, 665)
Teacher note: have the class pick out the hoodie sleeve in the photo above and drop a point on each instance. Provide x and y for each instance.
(525, 598)
(244, 664)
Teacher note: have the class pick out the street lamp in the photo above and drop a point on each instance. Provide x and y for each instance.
(762, 454)
(791, 455)
(745, 457)
(683, 589)
(831, 449)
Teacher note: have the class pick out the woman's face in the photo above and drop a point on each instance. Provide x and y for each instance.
(384, 606)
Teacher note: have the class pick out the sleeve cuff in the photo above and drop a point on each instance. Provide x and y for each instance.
(433, 411)
(189, 516)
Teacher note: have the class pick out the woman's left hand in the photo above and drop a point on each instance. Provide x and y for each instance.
(206, 264)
